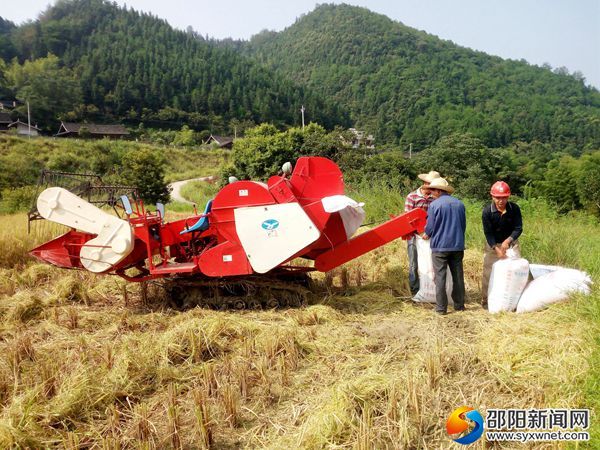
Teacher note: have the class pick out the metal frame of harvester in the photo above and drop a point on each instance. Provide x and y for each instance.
(239, 252)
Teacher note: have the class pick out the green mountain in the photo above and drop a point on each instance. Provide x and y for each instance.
(134, 65)
(407, 86)
(346, 65)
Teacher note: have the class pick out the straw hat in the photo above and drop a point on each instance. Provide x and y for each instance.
(441, 184)
(427, 177)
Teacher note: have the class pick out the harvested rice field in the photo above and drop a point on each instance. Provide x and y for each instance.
(86, 363)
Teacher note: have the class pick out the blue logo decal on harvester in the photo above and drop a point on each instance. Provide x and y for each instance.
(270, 224)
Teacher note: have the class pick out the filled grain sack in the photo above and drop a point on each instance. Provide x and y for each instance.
(507, 282)
(553, 287)
(426, 276)
(537, 270)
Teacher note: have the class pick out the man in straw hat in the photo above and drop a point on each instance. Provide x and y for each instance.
(421, 198)
(446, 225)
(502, 226)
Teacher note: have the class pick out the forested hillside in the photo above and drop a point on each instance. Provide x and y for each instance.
(7, 48)
(136, 66)
(92, 60)
(410, 87)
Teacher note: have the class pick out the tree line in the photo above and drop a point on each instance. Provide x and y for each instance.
(472, 167)
(113, 63)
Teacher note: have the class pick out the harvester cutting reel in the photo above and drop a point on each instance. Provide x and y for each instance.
(87, 186)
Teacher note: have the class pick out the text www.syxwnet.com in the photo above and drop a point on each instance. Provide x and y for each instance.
(531, 436)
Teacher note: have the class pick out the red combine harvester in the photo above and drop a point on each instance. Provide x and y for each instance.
(239, 252)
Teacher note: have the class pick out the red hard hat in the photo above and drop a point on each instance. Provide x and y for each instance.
(500, 189)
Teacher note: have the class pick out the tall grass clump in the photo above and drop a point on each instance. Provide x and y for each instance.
(199, 192)
(571, 240)
(380, 200)
(183, 164)
(592, 383)
(15, 242)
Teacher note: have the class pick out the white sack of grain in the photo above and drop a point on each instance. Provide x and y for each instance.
(537, 270)
(552, 287)
(426, 276)
(507, 281)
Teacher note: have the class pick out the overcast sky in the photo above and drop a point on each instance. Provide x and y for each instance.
(559, 32)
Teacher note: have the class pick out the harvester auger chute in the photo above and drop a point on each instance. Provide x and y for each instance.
(238, 253)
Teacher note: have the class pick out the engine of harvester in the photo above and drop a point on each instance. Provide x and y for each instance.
(239, 252)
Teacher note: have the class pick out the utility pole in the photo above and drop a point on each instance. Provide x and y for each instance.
(302, 111)
(28, 121)
(410, 151)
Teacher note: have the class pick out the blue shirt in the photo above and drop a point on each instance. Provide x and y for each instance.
(446, 224)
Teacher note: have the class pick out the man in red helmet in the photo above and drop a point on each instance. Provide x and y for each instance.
(502, 226)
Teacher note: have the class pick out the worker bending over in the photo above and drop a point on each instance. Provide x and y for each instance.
(502, 226)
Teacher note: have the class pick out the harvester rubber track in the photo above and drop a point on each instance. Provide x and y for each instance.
(254, 292)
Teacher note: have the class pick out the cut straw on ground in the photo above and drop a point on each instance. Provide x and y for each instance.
(85, 364)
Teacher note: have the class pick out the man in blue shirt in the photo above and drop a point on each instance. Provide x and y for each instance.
(446, 225)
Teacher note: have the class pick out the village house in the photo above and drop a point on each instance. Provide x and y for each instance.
(361, 138)
(24, 129)
(70, 129)
(221, 141)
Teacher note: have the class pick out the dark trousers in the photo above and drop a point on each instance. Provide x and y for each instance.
(453, 261)
(413, 267)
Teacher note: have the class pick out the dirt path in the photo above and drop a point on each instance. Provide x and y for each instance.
(177, 185)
